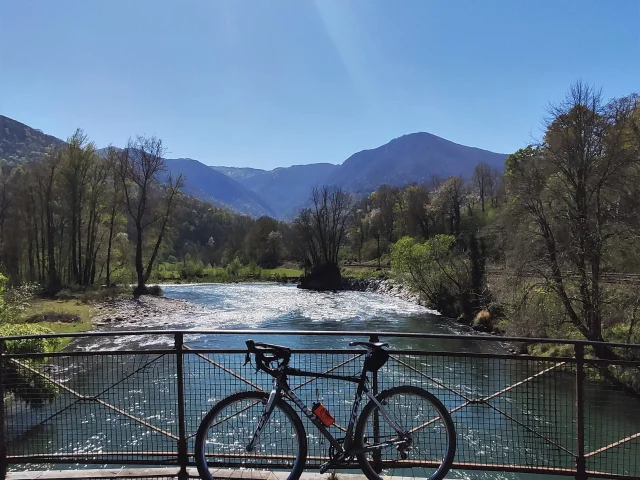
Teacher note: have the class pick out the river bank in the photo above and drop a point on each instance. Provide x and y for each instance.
(383, 286)
(123, 312)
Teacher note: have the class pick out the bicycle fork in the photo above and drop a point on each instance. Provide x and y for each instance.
(264, 419)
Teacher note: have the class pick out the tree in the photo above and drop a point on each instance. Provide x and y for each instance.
(46, 175)
(140, 167)
(417, 199)
(482, 180)
(320, 230)
(448, 201)
(570, 199)
(78, 160)
(115, 204)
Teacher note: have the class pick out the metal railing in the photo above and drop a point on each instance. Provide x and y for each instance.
(137, 398)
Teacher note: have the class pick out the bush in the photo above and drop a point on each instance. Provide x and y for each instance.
(483, 321)
(53, 317)
(155, 290)
(446, 278)
(233, 268)
(30, 387)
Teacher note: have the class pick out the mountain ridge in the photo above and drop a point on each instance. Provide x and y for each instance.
(280, 192)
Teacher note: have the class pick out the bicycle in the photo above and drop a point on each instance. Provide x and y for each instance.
(261, 431)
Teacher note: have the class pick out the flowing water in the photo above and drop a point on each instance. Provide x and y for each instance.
(482, 431)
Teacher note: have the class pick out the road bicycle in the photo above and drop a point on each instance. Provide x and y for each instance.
(403, 431)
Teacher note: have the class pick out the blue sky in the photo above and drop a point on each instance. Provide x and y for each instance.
(275, 83)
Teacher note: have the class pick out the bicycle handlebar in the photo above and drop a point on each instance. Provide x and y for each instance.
(266, 353)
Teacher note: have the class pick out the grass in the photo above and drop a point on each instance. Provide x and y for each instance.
(201, 274)
(286, 272)
(83, 311)
(361, 273)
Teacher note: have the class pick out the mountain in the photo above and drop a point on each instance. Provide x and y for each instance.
(205, 183)
(240, 173)
(411, 158)
(282, 191)
(20, 142)
(286, 188)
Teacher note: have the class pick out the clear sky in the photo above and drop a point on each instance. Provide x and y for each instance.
(274, 83)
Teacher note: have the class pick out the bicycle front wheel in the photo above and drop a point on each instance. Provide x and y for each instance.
(426, 452)
(228, 428)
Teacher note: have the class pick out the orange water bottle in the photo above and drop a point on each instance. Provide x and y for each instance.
(323, 414)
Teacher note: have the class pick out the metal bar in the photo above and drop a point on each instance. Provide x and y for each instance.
(480, 338)
(529, 429)
(227, 370)
(437, 382)
(342, 364)
(580, 458)
(521, 382)
(83, 398)
(612, 445)
(377, 454)
(183, 459)
(97, 400)
(3, 440)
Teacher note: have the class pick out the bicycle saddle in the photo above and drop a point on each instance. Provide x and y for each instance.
(369, 345)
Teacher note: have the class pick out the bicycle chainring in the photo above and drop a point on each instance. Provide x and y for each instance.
(332, 450)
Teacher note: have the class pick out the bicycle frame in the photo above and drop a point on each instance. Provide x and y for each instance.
(281, 385)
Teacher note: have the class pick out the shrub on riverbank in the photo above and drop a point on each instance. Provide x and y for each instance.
(451, 281)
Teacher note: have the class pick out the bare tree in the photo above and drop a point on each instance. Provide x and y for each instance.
(482, 182)
(79, 156)
(141, 166)
(321, 228)
(115, 203)
(47, 172)
(448, 201)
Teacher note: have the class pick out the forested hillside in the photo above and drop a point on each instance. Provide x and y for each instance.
(19, 142)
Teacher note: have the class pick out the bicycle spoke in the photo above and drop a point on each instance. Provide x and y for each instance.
(421, 452)
(229, 428)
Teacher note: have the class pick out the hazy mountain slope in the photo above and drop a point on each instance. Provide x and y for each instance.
(284, 188)
(20, 142)
(204, 182)
(239, 173)
(410, 158)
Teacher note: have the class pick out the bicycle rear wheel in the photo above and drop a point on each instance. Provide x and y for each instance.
(432, 445)
(227, 429)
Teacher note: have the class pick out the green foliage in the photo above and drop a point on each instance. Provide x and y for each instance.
(30, 345)
(19, 379)
(439, 272)
(233, 268)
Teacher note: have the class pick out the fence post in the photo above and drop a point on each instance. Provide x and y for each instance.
(580, 460)
(183, 458)
(3, 440)
(377, 454)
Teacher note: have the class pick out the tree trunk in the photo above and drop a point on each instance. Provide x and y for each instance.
(111, 224)
(141, 288)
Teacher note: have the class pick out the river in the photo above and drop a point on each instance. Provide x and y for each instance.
(481, 431)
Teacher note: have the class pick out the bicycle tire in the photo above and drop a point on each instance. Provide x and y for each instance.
(369, 467)
(280, 407)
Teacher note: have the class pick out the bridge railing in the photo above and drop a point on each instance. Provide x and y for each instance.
(137, 398)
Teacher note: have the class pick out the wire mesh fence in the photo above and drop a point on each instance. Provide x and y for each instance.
(107, 407)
